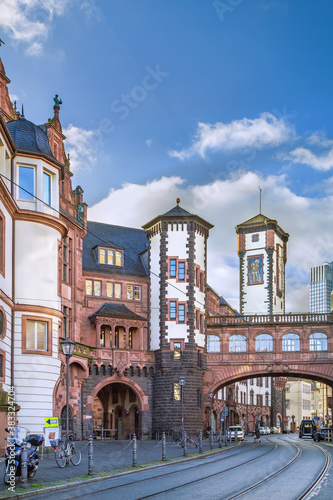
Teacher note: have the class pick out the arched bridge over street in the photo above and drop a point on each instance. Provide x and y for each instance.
(287, 345)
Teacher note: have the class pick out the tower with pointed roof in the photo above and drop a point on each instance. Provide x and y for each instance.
(177, 264)
(262, 250)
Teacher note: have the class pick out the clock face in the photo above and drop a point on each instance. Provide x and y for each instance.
(255, 270)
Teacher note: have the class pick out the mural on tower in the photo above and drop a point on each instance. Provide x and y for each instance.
(255, 270)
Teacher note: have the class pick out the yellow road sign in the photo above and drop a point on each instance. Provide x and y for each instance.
(51, 422)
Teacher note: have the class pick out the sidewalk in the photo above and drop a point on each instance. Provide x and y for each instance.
(108, 456)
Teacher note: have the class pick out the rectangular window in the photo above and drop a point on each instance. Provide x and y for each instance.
(251, 398)
(176, 391)
(36, 335)
(110, 257)
(67, 322)
(137, 292)
(26, 183)
(67, 260)
(181, 313)
(177, 350)
(117, 290)
(101, 256)
(97, 288)
(173, 309)
(119, 259)
(89, 287)
(46, 188)
(102, 337)
(109, 289)
(173, 268)
(2, 371)
(130, 292)
(287, 404)
(181, 271)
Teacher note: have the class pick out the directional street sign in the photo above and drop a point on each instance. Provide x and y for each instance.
(51, 422)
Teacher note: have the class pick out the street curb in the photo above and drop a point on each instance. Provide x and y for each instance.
(69, 484)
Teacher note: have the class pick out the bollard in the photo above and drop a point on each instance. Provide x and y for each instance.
(220, 438)
(24, 464)
(90, 456)
(200, 442)
(185, 444)
(163, 447)
(134, 451)
(211, 440)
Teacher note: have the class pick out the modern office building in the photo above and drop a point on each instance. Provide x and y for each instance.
(321, 286)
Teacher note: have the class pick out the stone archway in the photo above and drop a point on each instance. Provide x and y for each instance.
(123, 407)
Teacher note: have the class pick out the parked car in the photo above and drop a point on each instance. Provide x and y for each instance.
(274, 430)
(307, 428)
(236, 433)
(323, 434)
(268, 431)
(262, 431)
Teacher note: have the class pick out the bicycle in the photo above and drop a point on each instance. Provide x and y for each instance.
(66, 451)
(189, 442)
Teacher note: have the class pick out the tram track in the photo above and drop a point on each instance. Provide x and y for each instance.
(170, 473)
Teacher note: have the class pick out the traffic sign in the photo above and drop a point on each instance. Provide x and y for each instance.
(51, 422)
(226, 410)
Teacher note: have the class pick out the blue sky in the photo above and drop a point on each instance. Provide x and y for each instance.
(205, 100)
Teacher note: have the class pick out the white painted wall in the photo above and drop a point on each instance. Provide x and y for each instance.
(6, 281)
(36, 259)
(177, 241)
(35, 377)
(155, 291)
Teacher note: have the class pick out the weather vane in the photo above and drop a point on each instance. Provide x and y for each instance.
(259, 199)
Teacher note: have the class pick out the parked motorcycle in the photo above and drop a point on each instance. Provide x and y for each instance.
(13, 455)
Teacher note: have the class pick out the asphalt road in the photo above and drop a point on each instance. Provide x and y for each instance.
(279, 468)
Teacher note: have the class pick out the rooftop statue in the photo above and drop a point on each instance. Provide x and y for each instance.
(57, 101)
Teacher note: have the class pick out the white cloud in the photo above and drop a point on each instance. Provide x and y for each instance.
(149, 142)
(29, 21)
(227, 203)
(304, 156)
(267, 131)
(82, 146)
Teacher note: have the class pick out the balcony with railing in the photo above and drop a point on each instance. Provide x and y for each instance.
(267, 319)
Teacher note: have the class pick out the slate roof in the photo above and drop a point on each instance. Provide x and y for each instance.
(132, 241)
(177, 210)
(116, 311)
(257, 219)
(29, 137)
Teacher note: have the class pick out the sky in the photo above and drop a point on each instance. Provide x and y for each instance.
(204, 100)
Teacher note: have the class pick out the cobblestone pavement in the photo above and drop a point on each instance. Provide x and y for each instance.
(107, 456)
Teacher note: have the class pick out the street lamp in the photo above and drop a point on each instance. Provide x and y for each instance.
(210, 394)
(67, 347)
(182, 383)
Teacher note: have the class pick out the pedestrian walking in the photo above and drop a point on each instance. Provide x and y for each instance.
(257, 434)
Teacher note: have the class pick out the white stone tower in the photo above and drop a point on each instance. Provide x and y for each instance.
(262, 250)
(177, 262)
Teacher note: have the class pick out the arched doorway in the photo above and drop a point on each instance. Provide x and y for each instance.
(116, 406)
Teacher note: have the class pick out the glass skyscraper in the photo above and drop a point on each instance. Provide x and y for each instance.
(321, 286)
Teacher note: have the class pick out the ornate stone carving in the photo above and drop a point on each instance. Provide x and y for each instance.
(121, 361)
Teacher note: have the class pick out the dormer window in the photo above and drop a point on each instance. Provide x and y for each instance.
(110, 256)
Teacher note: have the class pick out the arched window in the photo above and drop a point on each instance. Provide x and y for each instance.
(213, 343)
(237, 343)
(318, 342)
(291, 342)
(264, 343)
